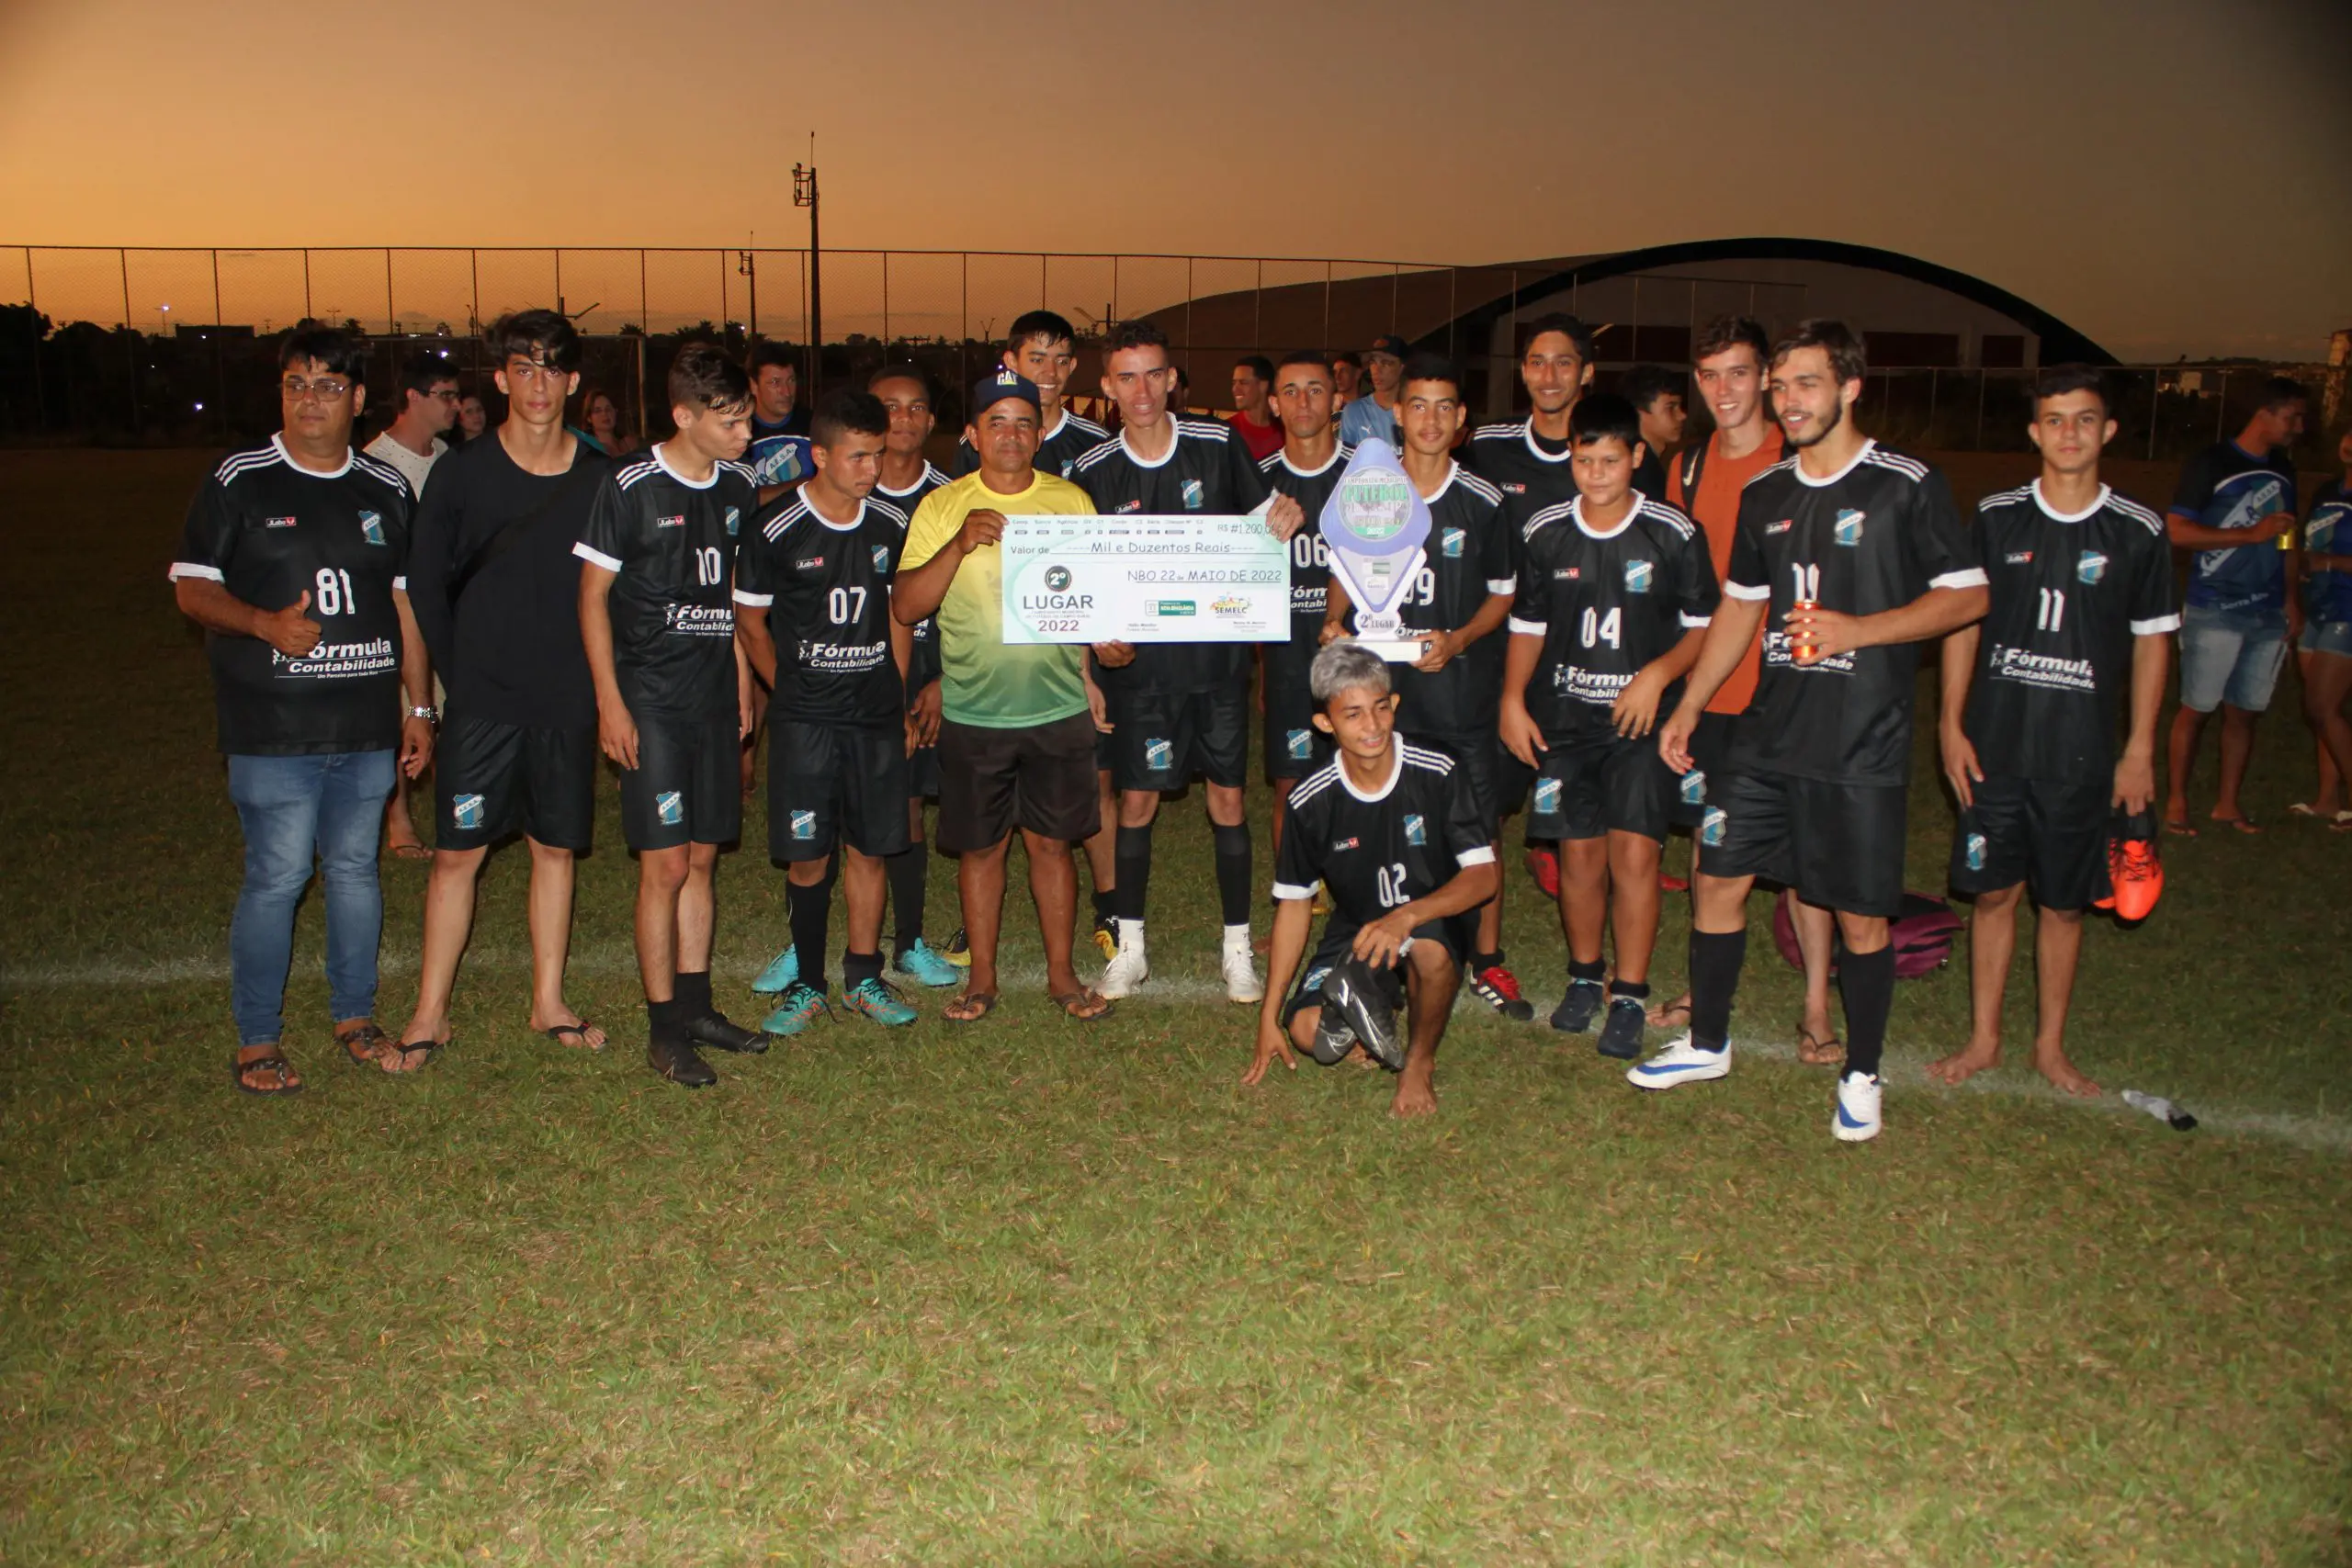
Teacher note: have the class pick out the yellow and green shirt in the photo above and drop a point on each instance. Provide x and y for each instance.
(982, 681)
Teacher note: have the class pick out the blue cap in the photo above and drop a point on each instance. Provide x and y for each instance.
(992, 389)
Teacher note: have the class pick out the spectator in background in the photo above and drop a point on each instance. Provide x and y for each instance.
(779, 450)
(2325, 651)
(1655, 393)
(1253, 421)
(1375, 415)
(600, 424)
(1180, 395)
(2235, 507)
(425, 407)
(1347, 376)
(473, 418)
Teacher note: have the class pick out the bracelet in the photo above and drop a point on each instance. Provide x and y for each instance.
(429, 715)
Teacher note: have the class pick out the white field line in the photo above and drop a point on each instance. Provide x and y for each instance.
(1905, 1071)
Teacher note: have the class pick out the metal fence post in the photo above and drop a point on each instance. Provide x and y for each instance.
(2221, 408)
(131, 336)
(473, 291)
(2155, 409)
(392, 312)
(32, 325)
(306, 283)
(1258, 308)
(219, 370)
(1327, 305)
(886, 301)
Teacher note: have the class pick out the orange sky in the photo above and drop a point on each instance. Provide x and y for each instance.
(2169, 175)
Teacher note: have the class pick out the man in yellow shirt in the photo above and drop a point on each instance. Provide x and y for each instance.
(1017, 723)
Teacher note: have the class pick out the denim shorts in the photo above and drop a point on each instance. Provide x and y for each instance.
(2327, 637)
(2230, 656)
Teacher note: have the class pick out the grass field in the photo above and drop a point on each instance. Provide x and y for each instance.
(1030, 1294)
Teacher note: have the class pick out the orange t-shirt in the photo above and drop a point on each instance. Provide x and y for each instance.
(1716, 509)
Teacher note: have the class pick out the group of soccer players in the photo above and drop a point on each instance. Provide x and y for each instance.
(1578, 633)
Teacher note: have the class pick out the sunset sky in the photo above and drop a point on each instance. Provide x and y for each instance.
(2169, 175)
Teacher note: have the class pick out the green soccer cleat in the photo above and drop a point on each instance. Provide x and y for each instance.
(877, 998)
(796, 1009)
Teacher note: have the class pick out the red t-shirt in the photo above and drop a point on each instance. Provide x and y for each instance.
(1265, 440)
(1716, 510)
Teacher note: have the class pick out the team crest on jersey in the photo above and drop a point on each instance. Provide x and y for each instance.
(1068, 465)
(1299, 743)
(466, 810)
(734, 520)
(669, 807)
(1414, 832)
(677, 521)
(371, 527)
(1848, 529)
(1193, 495)
(1452, 541)
(1547, 796)
(1637, 576)
(804, 825)
(1711, 827)
(1158, 756)
(2090, 566)
(1694, 787)
(882, 558)
(1976, 852)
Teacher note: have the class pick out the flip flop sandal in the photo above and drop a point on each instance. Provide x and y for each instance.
(1673, 1015)
(364, 1044)
(1071, 1001)
(274, 1063)
(984, 1000)
(558, 1032)
(1816, 1051)
(2240, 824)
(420, 1052)
(418, 850)
(2180, 829)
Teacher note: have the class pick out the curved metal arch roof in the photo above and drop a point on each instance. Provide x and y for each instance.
(2060, 343)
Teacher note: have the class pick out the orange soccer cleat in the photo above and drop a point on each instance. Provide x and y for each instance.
(2135, 875)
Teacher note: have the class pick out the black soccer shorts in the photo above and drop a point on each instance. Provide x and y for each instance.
(1293, 746)
(1710, 769)
(830, 783)
(1586, 789)
(1840, 846)
(1458, 934)
(1497, 780)
(2049, 834)
(1160, 741)
(688, 786)
(492, 778)
(1041, 779)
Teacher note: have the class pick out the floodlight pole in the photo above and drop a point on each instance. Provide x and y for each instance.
(804, 193)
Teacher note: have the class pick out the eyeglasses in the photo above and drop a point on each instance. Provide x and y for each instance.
(448, 396)
(326, 388)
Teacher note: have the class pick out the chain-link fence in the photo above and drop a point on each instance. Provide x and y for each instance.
(178, 346)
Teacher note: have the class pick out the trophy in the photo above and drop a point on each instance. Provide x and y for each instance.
(1376, 526)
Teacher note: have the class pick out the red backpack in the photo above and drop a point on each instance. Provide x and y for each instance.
(1922, 936)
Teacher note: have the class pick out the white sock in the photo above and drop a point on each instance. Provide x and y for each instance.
(1130, 931)
(1237, 936)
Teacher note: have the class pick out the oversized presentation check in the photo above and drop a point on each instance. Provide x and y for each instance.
(1182, 578)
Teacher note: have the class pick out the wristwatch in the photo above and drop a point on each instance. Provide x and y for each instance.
(429, 715)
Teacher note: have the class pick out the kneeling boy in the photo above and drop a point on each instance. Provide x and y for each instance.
(1391, 830)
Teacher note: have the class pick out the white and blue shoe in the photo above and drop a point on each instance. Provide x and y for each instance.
(782, 972)
(1857, 1120)
(1681, 1063)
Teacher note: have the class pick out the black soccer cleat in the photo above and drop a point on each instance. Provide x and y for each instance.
(1362, 999)
(1574, 1015)
(1621, 1033)
(715, 1029)
(1333, 1038)
(675, 1060)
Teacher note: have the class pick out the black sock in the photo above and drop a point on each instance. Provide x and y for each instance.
(691, 990)
(1480, 962)
(909, 873)
(1591, 972)
(1232, 872)
(662, 1020)
(1867, 982)
(1134, 870)
(1637, 989)
(856, 966)
(1106, 904)
(1715, 958)
(809, 908)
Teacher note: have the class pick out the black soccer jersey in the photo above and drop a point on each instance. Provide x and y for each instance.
(1378, 852)
(1531, 473)
(1606, 604)
(2053, 661)
(1058, 449)
(1206, 469)
(1467, 557)
(672, 543)
(923, 660)
(270, 532)
(826, 589)
(1310, 557)
(1872, 538)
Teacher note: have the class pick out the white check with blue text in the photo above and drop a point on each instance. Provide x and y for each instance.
(1185, 577)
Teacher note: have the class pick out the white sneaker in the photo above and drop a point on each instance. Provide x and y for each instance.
(1127, 970)
(1857, 1120)
(1241, 981)
(1678, 1064)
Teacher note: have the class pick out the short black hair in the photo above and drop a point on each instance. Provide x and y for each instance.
(1426, 366)
(844, 411)
(343, 353)
(1133, 335)
(905, 371)
(1730, 332)
(1580, 336)
(544, 337)
(2057, 380)
(420, 373)
(2278, 392)
(1645, 384)
(1315, 356)
(702, 377)
(1050, 325)
(1346, 356)
(767, 351)
(1833, 337)
(1258, 365)
(1604, 414)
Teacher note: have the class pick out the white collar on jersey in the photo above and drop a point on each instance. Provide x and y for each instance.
(2055, 516)
(1527, 433)
(1452, 472)
(1805, 478)
(1339, 452)
(287, 458)
(851, 526)
(1175, 435)
(1575, 512)
(661, 458)
(1395, 772)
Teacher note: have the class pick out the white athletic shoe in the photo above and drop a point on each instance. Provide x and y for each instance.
(1857, 1120)
(1678, 1064)
(1241, 981)
(1127, 970)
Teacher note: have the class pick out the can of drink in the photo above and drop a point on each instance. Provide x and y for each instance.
(1800, 648)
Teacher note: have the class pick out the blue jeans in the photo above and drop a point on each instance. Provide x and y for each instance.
(291, 806)
(2230, 656)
